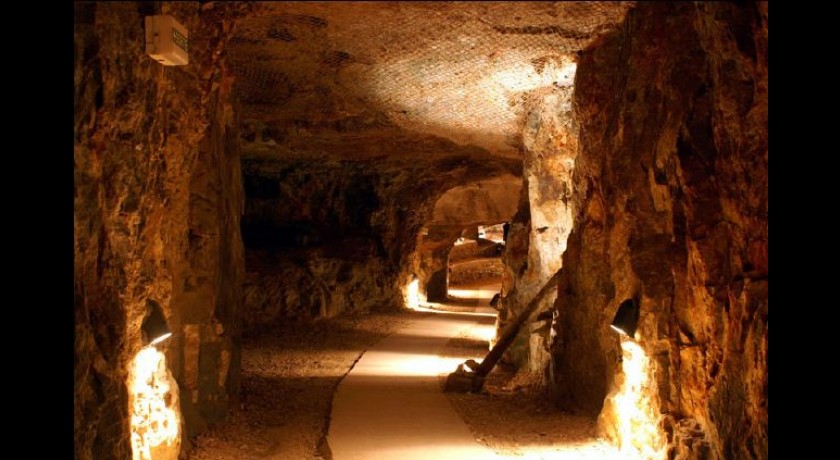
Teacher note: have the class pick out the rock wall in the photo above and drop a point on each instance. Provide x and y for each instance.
(306, 285)
(538, 232)
(157, 202)
(471, 249)
(671, 195)
(487, 202)
(475, 270)
(435, 248)
(315, 249)
(332, 236)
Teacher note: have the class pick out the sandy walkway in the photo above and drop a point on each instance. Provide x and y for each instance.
(290, 374)
(391, 404)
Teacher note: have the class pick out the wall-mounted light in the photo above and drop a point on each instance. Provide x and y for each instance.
(626, 318)
(155, 330)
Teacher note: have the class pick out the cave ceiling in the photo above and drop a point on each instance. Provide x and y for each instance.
(403, 81)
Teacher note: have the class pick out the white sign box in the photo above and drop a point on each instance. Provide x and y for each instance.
(166, 40)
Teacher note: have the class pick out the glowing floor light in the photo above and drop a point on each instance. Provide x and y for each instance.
(485, 333)
(635, 414)
(390, 364)
(155, 422)
(412, 293)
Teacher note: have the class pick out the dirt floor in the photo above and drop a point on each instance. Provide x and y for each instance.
(514, 417)
(288, 380)
(290, 375)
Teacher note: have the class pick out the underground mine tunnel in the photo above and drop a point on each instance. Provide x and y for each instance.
(457, 230)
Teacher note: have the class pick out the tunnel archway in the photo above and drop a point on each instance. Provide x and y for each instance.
(475, 259)
(458, 213)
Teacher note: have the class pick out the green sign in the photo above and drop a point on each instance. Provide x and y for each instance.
(179, 39)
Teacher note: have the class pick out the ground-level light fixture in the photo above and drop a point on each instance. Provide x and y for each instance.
(155, 330)
(626, 318)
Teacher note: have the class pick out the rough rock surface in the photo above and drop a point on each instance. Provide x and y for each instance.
(538, 232)
(157, 202)
(471, 249)
(357, 144)
(461, 71)
(478, 202)
(671, 198)
(470, 271)
(352, 132)
(327, 236)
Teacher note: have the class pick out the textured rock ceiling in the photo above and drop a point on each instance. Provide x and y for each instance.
(478, 203)
(335, 78)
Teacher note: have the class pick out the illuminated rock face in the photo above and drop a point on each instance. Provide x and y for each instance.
(157, 200)
(155, 415)
(539, 231)
(670, 191)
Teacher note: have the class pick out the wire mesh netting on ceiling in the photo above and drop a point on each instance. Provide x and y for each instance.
(468, 71)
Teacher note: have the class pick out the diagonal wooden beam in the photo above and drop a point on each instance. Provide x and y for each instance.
(509, 334)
